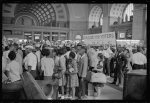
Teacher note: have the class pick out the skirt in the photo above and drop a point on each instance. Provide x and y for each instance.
(72, 81)
(62, 81)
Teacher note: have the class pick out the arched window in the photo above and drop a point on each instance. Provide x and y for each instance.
(128, 12)
(95, 17)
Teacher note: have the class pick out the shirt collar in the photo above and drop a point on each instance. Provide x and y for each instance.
(82, 55)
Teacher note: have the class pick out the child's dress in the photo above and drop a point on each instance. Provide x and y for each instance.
(73, 78)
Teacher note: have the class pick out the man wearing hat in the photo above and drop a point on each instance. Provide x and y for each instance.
(30, 61)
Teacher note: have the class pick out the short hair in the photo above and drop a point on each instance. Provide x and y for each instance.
(84, 48)
(6, 48)
(139, 49)
(61, 51)
(45, 52)
(12, 55)
(68, 48)
(126, 50)
(72, 55)
(15, 44)
(56, 51)
(100, 55)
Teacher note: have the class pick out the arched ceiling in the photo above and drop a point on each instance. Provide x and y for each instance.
(41, 10)
(45, 13)
(117, 10)
(95, 14)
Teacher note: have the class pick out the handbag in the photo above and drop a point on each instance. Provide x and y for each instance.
(98, 78)
(88, 76)
(57, 72)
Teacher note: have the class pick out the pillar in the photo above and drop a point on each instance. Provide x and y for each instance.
(41, 36)
(32, 33)
(139, 22)
(50, 34)
(23, 35)
(58, 35)
(105, 26)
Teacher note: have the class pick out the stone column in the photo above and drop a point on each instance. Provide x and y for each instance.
(50, 36)
(23, 35)
(105, 26)
(58, 35)
(139, 23)
(32, 33)
(42, 36)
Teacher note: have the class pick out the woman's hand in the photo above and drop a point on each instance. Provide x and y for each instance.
(7, 81)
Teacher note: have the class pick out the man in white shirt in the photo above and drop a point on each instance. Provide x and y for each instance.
(92, 56)
(30, 61)
(139, 60)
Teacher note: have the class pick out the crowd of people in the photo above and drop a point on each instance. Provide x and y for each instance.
(70, 65)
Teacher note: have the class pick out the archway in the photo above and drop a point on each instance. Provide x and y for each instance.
(119, 11)
(95, 17)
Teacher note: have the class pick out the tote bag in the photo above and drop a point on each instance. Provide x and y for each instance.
(98, 78)
(88, 76)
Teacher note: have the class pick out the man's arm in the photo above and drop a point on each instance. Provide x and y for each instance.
(85, 67)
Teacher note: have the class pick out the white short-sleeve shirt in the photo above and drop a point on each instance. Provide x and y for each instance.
(139, 58)
(47, 65)
(30, 60)
(14, 69)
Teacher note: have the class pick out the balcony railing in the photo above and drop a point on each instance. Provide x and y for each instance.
(51, 24)
(95, 30)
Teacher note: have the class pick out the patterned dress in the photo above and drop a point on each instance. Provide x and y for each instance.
(73, 78)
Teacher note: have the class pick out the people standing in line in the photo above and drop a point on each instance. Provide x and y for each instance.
(128, 57)
(47, 66)
(73, 78)
(107, 54)
(139, 60)
(112, 62)
(13, 69)
(30, 61)
(121, 62)
(62, 69)
(98, 69)
(39, 56)
(82, 72)
(20, 51)
(19, 58)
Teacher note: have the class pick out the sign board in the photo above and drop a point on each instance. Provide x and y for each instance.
(100, 39)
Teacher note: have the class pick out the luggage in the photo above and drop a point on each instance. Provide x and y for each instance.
(98, 78)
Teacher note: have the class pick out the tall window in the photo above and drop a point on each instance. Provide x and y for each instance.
(128, 12)
(101, 20)
(95, 17)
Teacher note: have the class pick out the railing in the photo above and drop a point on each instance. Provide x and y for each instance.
(32, 28)
(51, 24)
(95, 30)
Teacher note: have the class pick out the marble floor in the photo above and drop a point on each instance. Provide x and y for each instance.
(109, 92)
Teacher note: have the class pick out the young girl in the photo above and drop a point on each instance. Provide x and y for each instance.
(98, 69)
(60, 68)
(73, 81)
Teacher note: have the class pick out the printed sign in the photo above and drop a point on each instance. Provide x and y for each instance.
(100, 39)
